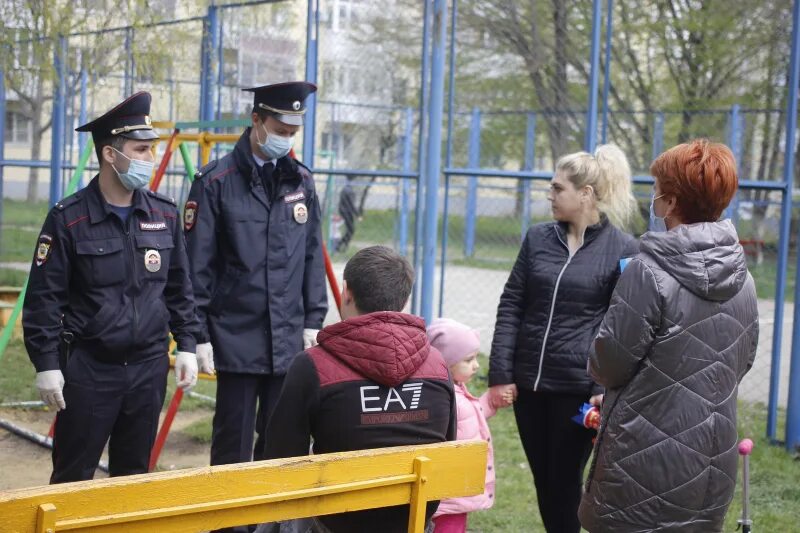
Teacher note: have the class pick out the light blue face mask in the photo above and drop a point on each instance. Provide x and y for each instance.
(275, 146)
(138, 174)
(656, 223)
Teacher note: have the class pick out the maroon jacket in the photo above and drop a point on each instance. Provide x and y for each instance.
(373, 381)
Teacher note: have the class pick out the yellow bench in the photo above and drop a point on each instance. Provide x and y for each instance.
(201, 499)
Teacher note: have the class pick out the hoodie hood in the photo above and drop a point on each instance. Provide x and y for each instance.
(706, 258)
(387, 347)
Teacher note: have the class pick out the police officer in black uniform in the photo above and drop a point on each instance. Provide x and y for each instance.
(109, 280)
(252, 223)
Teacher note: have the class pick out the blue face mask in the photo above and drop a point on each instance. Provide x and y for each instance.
(275, 146)
(138, 174)
(656, 223)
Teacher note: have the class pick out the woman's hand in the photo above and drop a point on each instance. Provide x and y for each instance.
(596, 400)
(502, 395)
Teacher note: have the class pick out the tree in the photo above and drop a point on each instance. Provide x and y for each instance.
(30, 32)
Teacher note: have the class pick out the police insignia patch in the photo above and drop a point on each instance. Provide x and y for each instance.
(152, 260)
(43, 249)
(300, 213)
(189, 215)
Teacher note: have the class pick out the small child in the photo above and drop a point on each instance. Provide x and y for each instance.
(459, 346)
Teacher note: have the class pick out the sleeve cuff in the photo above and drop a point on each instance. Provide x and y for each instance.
(46, 362)
(597, 389)
(500, 378)
(186, 343)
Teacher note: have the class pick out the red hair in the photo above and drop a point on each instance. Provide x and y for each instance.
(701, 175)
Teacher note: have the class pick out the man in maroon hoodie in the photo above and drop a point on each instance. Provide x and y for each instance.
(372, 381)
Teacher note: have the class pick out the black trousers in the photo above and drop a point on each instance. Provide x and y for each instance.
(557, 450)
(113, 403)
(244, 404)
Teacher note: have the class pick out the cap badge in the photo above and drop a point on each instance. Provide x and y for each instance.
(296, 105)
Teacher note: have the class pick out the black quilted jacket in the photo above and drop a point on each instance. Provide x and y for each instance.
(552, 305)
(681, 332)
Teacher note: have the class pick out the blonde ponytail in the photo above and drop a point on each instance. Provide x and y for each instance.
(609, 174)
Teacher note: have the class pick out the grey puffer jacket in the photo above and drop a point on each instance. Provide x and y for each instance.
(679, 335)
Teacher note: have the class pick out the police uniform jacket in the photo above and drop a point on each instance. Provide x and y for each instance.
(373, 381)
(256, 258)
(118, 288)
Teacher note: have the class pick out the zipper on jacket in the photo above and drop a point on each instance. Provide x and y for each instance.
(570, 255)
(132, 276)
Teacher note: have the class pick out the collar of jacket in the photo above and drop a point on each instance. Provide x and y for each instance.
(285, 167)
(591, 231)
(98, 206)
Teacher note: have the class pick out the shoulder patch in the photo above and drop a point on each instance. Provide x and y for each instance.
(163, 198)
(43, 247)
(189, 215)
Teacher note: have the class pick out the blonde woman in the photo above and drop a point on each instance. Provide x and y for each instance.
(549, 314)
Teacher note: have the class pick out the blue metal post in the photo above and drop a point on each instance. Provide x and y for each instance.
(607, 71)
(793, 405)
(451, 97)
(312, 34)
(590, 139)
(471, 207)
(658, 134)
(82, 114)
(433, 167)
(422, 156)
(207, 77)
(406, 187)
(530, 154)
(735, 144)
(59, 105)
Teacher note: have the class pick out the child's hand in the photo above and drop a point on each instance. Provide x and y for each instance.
(502, 395)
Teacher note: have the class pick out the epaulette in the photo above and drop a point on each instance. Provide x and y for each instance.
(206, 169)
(300, 164)
(163, 198)
(68, 201)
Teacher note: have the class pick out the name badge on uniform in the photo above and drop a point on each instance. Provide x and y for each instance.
(300, 213)
(152, 226)
(289, 198)
(152, 260)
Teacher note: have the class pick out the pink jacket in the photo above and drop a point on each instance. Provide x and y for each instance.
(472, 415)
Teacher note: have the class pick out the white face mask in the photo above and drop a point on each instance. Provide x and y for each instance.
(656, 223)
(138, 174)
(275, 146)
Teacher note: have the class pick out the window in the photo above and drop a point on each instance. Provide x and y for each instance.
(18, 128)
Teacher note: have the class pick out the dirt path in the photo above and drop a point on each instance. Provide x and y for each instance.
(24, 464)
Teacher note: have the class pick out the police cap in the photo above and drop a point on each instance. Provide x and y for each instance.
(285, 101)
(129, 119)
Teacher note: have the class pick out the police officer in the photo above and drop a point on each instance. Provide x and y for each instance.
(109, 280)
(252, 224)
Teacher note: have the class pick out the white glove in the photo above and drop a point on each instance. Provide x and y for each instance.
(205, 357)
(309, 338)
(50, 384)
(185, 370)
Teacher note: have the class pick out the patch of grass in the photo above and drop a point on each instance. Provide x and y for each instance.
(10, 277)
(17, 374)
(200, 430)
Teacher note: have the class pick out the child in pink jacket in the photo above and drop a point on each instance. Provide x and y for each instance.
(459, 347)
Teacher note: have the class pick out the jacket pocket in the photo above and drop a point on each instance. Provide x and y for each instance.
(153, 252)
(101, 261)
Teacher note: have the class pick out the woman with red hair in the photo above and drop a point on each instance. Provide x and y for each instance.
(678, 337)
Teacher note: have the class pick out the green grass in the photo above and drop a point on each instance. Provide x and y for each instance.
(22, 222)
(200, 430)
